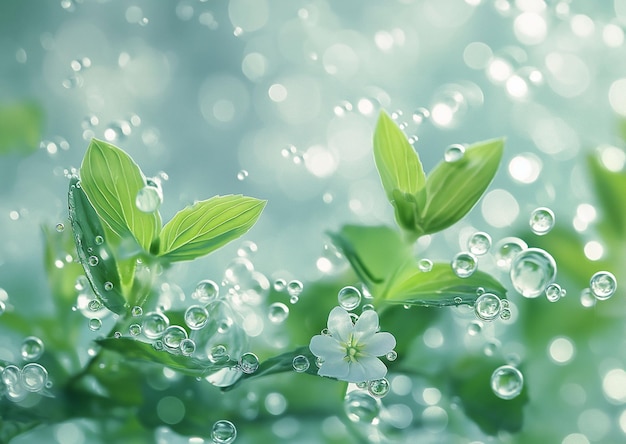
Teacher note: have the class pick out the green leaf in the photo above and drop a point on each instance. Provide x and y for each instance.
(143, 351)
(20, 127)
(207, 225)
(440, 287)
(610, 190)
(453, 188)
(397, 162)
(111, 180)
(89, 239)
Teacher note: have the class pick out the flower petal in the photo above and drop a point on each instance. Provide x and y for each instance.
(374, 368)
(327, 348)
(379, 344)
(340, 324)
(357, 372)
(335, 368)
(366, 325)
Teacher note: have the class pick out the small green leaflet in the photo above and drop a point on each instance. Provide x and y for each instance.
(207, 225)
(94, 254)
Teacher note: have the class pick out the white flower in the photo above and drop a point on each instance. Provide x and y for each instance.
(349, 352)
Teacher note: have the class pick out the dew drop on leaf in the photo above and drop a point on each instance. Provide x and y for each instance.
(300, 363)
(148, 199)
(223, 432)
(248, 363)
(454, 153)
(487, 306)
(425, 265)
(134, 329)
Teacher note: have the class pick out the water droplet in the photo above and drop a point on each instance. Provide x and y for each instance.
(507, 382)
(349, 298)
(173, 336)
(60, 227)
(187, 347)
(136, 311)
(241, 175)
(148, 199)
(458, 300)
(108, 286)
(454, 153)
(487, 306)
(506, 250)
(99, 240)
(464, 264)
(93, 261)
(248, 363)
(11, 375)
(391, 356)
(420, 115)
(294, 288)
(603, 285)
(154, 325)
(94, 305)
(206, 291)
(479, 243)
(117, 334)
(367, 307)
(34, 377)
(541, 221)
(361, 407)
(196, 317)
(32, 348)
(218, 354)
(247, 249)
(474, 328)
(294, 300)
(239, 270)
(95, 324)
(532, 271)
(300, 363)
(280, 284)
(378, 387)
(277, 312)
(553, 292)
(425, 265)
(134, 329)
(223, 432)
(505, 314)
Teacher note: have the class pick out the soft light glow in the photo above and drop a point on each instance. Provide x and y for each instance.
(499, 208)
(561, 350)
(499, 70)
(582, 25)
(617, 96)
(612, 158)
(612, 35)
(442, 114)
(516, 87)
(277, 92)
(594, 250)
(530, 28)
(525, 168)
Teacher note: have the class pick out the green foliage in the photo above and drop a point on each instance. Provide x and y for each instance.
(20, 127)
(610, 189)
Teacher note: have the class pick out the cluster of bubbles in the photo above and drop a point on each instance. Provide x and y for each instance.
(15, 382)
(294, 288)
(292, 153)
(55, 145)
(75, 79)
(115, 131)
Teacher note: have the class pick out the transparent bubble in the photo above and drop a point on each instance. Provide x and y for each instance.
(60, 227)
(241, 175)
(95, 324)
(458, 300)
(94, 305)
(553, 292)
(300, 363)
(223, 432)
(173, 336)
(32, 348)
(239, 271)
(420, 115)
(532, 271)
(541, 221)
(367, 307)
(425, 265)
(277, 312)
(248, 363)
(148, 199)
(506, 250)
(117, 130)
(247, 249)
(487, 307)
(587, 298)
(378, 387)
(361, 407)
(93, 261)
(474, 328)
(136, 311)
(154, 325)
(117, 334)
(479, 243)
(391, 356)
(464, 264)
(99, 240)
(134, 329)
(11, 375)
(507, 382)
(349, 298)
(34, 377)
(454, 153)
(187, 347)
(294, 288)
(108, 286)
(505, 314)
(206, 291)
(196, 317)
(280, 284)
(603, 285)
(218, 354)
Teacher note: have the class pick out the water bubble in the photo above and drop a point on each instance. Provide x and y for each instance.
(505, 314)
(93, 261)
(223, 432)
(60, 227)
(454, 153)
(117, 334)
(108, 286)
(300, 363)
(154, 325)
(218, 354)
(99, 240)
(117, 130)
(247, 249)
(506, 250)
(603, 285)
(187, 347)
(206, 291)
(541, 221)
(367, 307)
(487, 306)
(94, 305)
(294, 288)
(425, 265)
(148, 199)
(95, 324)
(34, 377)
(248, 363)
(420, 115)
(32, 348)
(474, 328)
(241, 175)
(507, 382)
(378, 387)
(173, 336)
(361, 407)
(277, 312)
(491, 347)
(391, 356)
(464, 264)
(479, 243)
(280, 284)
(196, 317)
(136, 311)
(239, 270)
(349, 298)
(11, 375)
(532, 271)
(553, 292)
(134, 329)
(586, 298)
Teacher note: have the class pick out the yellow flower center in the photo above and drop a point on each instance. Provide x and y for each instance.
(352, 350)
